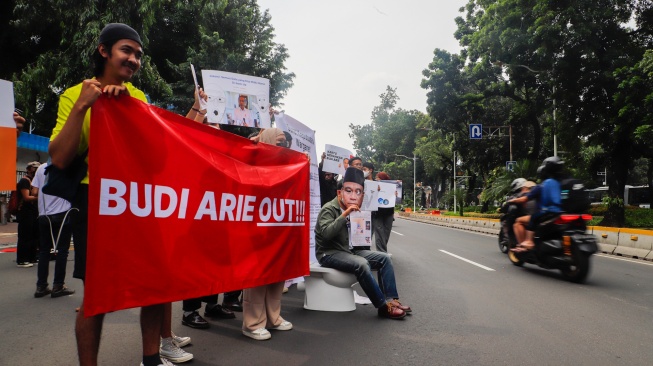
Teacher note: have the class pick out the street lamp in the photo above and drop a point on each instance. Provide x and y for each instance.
(414, 159)
(555, 136)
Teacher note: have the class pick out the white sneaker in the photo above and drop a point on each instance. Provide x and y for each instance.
(260, 334)
(173, 353)
(180, 341)
(164, 362)
(285, 325)
(24, 264)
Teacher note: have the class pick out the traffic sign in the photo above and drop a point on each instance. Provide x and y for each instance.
(476, 131)
(510, 165)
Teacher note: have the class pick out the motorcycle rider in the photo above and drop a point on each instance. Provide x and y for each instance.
(528, 208)
(547, 196)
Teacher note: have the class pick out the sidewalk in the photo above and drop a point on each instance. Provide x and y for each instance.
(8, 234)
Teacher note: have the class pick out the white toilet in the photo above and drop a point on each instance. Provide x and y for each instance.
(328, 289)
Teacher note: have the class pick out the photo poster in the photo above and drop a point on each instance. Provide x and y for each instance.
(237, 99)
(7, 137)
(398, 188)
(371, 197)
(360, 229)
(303, 140)
(337, 159)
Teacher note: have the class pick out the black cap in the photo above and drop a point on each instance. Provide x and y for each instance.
(116, 31)
(354, 175)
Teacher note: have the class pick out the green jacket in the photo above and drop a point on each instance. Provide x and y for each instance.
(331, 233)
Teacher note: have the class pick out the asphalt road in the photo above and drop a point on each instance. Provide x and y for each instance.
(474, 308)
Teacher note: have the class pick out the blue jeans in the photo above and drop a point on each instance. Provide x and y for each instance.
(56, 224)
(361, 264)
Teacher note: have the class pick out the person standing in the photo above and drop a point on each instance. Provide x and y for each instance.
(28, 229)
(262, 304)
(55, 231)
(382, 221)
(116, 59)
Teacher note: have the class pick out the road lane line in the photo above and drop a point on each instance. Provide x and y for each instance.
(626, 259)
(397, 233)
(467, 260)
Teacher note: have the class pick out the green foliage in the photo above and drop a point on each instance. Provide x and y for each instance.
(52, 41)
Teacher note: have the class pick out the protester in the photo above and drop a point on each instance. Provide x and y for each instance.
(170, 347)
(328, 184)
(356, 162)
(55, 231)
(192, 318)
(368, 170)
(116, 59)
(28, 229)
(334, 251)
(262, 305)
(382, 221)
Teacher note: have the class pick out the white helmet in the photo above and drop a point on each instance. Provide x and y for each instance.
(517, 184)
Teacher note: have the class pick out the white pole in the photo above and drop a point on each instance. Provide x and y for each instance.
(455, 208)
(555, 137)
(414, 180)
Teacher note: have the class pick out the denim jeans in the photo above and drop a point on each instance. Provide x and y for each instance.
(361, 264)
(55, 224)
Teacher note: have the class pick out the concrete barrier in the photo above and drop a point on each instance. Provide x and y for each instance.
(634, 243)
(607, 238)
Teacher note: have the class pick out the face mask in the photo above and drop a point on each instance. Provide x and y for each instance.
(366, 174)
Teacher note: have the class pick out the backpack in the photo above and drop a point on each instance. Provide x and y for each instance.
(14, 203)
(573, 196)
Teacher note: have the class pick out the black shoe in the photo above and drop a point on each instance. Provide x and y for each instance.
(62, 291)
(42, 291)
(218, 311)
(194, 320)
(233, 306)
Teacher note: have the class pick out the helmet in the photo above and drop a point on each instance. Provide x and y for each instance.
(551, 166)
(517, 184)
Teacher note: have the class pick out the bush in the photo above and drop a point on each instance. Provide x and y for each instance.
(639, 218)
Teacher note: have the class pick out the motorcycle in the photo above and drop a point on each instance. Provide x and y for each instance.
(561, 242)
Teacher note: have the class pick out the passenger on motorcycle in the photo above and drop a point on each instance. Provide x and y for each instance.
(547, 196)
(528, 209)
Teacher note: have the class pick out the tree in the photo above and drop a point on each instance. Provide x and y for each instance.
(55, 43)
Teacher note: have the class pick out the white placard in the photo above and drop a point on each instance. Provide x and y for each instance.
(370, 199)
(336, 160)
(7, 104)
(399, 189)
(236, 99)
(387, 194)
(303, 140)
(360, 229)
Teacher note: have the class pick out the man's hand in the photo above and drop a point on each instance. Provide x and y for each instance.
(350, 209)
(200, 95)
(91, 90)
(20, 122)
(323, 156)
(115, 90)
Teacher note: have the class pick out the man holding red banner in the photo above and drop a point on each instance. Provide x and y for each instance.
(117, 58)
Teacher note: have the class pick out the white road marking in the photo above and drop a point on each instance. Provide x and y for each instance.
(631, 260)
(467, 260)
(397, 233)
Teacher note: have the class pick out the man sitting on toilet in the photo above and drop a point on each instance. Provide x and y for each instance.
(333, 249)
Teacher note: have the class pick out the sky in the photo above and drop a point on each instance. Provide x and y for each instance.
(345, 53)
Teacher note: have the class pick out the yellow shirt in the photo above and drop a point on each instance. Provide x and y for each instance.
(67, 101)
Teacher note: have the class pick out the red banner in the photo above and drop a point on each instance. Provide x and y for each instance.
(179, 210)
